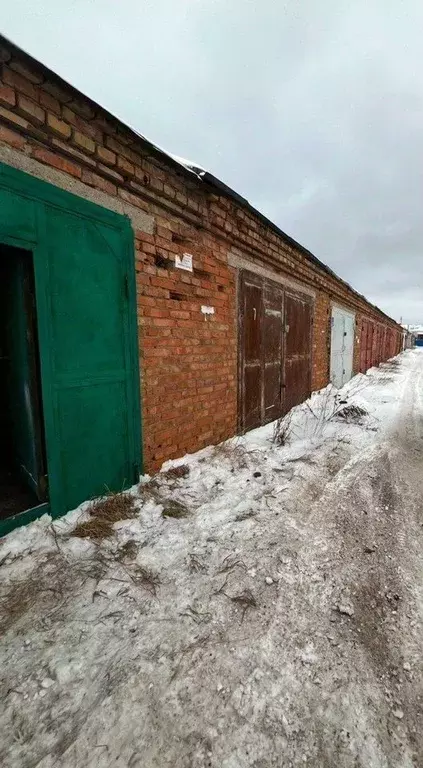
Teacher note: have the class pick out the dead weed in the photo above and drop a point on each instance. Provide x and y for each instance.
(173, 508)
(245, 600)
(351, 414)
(176, 473)
(146, 578)
(46, 588)
(195, 563)
(232, 451)
(282, 429)
(104, 512)
(128, 551)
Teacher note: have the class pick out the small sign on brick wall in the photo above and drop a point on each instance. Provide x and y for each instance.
(184, 262)
(207, 310)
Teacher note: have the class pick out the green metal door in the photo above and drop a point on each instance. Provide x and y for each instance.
(86, 308)
(89, 306)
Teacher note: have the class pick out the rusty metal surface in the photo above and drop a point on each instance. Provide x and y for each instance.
(363, 345)
(252, 314)
(272, 340)
(370, 337)
(377, 344)
(275, 350)
(297, 351)
(368, 345)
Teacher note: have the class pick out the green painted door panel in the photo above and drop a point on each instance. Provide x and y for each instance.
(86, 309)
(93, 433)
(89, 306)
(17, 217)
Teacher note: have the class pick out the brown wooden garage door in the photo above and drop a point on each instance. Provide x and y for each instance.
(366, 345)
(275, 350)
(298, 319)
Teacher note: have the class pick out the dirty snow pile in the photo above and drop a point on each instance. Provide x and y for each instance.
(261, 606)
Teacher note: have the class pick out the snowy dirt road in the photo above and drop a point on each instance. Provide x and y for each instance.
(276, 621)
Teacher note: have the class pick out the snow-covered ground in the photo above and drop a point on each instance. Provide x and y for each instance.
(277, 621)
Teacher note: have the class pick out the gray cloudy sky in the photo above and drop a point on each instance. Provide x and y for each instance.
(312, 109)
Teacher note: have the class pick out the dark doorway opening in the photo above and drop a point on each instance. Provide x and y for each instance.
(23, 476)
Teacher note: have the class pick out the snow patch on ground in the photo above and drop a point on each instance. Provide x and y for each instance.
(262, 628)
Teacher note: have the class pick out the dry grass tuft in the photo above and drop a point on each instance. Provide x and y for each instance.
(282, 429)
(114, 507)
(232, 451)
(127, 551)
(173, 508)
(245, 600)
(352, 414)
(230, 562)
(44, 590)
(93, 529)
(195, 563)
(17, 602)
(175, 473)
(150, 490)
(146, 578)
(104, 512)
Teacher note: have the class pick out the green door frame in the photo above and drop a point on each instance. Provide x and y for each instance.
(30, 234)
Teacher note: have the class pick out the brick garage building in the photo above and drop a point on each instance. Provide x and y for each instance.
(249, 332)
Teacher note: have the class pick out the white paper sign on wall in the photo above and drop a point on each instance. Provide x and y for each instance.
(207, 310)
(184, 262)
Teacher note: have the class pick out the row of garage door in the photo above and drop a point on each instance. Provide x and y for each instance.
(377, 343)
(275, 348)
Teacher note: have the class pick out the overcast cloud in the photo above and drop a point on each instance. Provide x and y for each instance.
(312, 109)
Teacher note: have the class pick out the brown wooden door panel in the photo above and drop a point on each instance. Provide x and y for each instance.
(296, 383)
(272, 393)
(253, 297)
(252, 310)
(274, 364)
(297, 350)
(363, 345)
(252, 397)
(382, 343)
(369, 355)
(272, 340)
(376, 342)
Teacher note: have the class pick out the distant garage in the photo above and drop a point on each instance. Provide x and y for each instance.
(342, 346)
(377, 343)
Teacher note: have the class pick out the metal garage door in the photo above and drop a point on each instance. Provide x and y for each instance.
(366, 345)
(261, 347)
(274, 350)
(86, 312)
(342, 346)
(297, 350)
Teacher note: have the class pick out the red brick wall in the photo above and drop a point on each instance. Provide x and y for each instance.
(188, 359)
